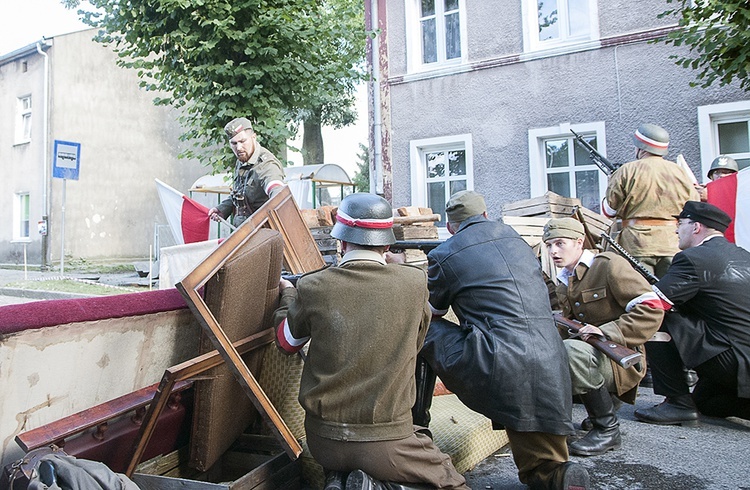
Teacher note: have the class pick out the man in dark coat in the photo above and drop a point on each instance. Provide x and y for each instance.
(505, 359)
(708, 284)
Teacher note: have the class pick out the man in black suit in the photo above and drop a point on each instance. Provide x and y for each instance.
(708, 285)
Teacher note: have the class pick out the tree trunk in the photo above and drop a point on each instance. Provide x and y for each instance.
(312, 141)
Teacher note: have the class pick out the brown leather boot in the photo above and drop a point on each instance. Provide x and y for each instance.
(560, 476)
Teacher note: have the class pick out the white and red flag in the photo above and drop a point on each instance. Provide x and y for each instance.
(188, 219)
(732, 195)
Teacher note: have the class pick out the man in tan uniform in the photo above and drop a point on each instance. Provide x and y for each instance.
(258, 175)
(366, 321)
(646, 194)
(612, 300)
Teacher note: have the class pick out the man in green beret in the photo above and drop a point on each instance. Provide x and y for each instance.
(505, 359)
(610, 298)
(258, 175)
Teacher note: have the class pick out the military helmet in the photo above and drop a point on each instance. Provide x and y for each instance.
(364, 219)
(651, 138)
(723, 162)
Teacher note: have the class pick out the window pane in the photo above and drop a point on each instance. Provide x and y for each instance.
(587, 189)
(559, 183)
(557, 153)
(578, 23)
(428, 7)
(457, 186)
(429, 42)
(743, 163)
(436, 199)
(580, 154)
(733, 138)
(435, 164)
(548, 25)
(26, 126)
(451, 5)
(26, 103)
(452, 37)
(457, 162)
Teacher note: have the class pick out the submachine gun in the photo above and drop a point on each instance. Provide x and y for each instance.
(425, 246)
(604, 165)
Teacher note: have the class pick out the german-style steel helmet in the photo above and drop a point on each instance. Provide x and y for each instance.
(723, 162)
(651, 138)
(364, 219)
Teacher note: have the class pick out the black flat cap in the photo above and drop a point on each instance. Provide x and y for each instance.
(707, 214)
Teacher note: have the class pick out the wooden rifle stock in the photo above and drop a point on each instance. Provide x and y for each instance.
(622, 355)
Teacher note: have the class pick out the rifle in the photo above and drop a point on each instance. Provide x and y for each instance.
(652, 279)
(425, 246)
(604, 165)
(622, 355)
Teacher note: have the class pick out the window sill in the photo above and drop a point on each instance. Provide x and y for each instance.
(439, 70)
(21, 240)
(558, 49)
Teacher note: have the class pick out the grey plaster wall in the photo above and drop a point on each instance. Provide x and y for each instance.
(623, 86)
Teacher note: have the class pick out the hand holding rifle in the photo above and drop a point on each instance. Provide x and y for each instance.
(590, 334)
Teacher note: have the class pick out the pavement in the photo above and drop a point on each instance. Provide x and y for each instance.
(714, 455)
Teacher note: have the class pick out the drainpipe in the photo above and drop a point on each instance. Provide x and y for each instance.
(376, 178)
(45, 166)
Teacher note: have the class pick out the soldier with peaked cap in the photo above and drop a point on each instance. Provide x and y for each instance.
(258, 175)
(611, 299)
(366, 321)
(505, 359)
(708, 284)
(645, 194)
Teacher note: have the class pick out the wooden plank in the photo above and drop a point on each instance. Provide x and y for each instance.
(531, 221)
(410, 220)
(157, 482)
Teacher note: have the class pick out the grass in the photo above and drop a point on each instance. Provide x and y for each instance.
(71, 285)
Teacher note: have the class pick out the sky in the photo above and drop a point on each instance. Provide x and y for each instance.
(23, 22)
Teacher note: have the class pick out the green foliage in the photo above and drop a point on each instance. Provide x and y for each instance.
(269, 60)
(362, 175)
(717, 35)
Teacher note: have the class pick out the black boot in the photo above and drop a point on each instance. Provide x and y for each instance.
(359, 480)
(560, 476)
(425, 378)
(586, 423)
(675, 410)
(605, 435)
(334, 480)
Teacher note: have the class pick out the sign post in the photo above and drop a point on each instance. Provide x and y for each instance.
(66, 164)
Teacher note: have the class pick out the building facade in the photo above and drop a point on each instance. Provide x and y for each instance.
(483, 95)
(69, 88)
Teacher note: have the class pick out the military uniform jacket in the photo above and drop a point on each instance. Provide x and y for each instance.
(711, 283)
(652, 188)
(506, 359)
(261, 173)
(366, 322)
(611, 295)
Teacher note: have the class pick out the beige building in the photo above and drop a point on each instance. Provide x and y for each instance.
(68, 88)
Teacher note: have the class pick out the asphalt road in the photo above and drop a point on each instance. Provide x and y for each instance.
(714, 455)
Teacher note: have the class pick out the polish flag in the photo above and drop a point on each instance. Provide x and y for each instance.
(188, 219)
(732, 195)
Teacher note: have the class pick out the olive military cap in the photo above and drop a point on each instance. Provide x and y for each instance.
(563, 228)
(236, 126)
(464, 204)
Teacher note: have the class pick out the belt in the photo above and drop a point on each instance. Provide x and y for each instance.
(648, 222)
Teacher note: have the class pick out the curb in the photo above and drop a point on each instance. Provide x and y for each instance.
(37, 294)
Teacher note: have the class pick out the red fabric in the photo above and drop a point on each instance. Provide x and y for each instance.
(39, 314)
(722, 193)
(194, 221)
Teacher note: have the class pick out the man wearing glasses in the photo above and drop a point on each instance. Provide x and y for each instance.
(707, 284)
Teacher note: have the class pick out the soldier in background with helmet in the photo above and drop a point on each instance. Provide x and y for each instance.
(367, 320)
(646, 194)
(258, 175)
(720, 167)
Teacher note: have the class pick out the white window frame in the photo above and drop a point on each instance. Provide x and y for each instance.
(531, 40)
(23, 131)
(18, 208)
(537, 155)
(414, 61)
(708, 130)
(417, 151)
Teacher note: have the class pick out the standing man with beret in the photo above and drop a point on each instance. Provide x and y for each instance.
(610, 298)
(708, 284)
(258, 175)
(505, 359)
(646, 194)
(365, 320)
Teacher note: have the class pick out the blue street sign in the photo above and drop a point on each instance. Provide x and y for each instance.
(66, 160)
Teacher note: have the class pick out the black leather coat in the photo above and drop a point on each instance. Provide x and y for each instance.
(506, 359)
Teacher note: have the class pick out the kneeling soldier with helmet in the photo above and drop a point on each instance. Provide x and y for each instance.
(366, 321)
(611, 299)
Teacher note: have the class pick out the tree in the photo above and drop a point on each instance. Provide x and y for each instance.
(362, 175)
(215, 60)
(716, 33)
